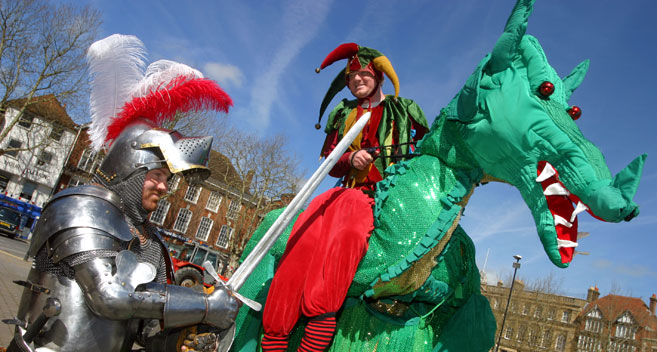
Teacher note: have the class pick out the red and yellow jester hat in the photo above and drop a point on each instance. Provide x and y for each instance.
(358, 58)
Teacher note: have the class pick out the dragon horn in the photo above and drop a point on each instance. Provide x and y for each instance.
(507, 46)
(575, 78)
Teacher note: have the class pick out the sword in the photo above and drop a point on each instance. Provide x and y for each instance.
(253, 259)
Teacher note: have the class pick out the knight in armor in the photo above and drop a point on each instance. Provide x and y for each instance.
(330, 237)
(101, 270)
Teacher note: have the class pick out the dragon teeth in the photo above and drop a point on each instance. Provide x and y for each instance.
(581, 235)
(548, 171)
(580, 208)
(566, 244)
(558, 220)
(556, 189)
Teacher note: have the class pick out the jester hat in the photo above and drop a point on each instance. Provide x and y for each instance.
(358, 58)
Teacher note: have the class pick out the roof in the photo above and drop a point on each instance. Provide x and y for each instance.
(613, 306)
(45, 106)
(222, 169)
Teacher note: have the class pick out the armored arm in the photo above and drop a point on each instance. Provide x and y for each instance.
(124, 295)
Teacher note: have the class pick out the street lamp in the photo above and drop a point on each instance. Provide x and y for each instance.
(516, 266)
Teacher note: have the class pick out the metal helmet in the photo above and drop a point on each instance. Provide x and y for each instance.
(144, 145)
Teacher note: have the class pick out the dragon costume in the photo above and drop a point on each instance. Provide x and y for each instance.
(418, 287)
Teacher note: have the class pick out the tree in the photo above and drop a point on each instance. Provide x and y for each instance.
(42, 53)
(268, 175)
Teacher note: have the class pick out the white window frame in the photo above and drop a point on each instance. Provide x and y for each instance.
(214, 201)
(565, 316)
(87, 160)
(182, 220)
(560, 343)
(174, 183)
(225, 234)
(233, 211)
(192, 194)
(205, 225)
(161, 211)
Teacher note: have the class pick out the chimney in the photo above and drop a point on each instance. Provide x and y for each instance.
(592, 294)
(653, 303)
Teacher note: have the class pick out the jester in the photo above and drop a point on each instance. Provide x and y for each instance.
(331, 236)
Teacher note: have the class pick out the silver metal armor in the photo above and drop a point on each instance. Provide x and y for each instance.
(84, 256)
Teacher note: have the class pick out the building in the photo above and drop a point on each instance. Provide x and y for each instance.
(535, 321)
(616, 324)
(541, 321)
(36, 149)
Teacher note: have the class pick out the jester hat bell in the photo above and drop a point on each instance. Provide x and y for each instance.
(358, 58)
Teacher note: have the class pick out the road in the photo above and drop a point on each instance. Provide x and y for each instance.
(12, 267)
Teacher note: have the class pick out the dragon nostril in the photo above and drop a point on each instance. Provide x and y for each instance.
(575, 112)
(546, 89)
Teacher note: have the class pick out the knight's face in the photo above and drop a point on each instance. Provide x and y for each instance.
(361, 83)
(155, 187)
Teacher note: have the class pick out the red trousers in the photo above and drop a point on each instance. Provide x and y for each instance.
(325, 247)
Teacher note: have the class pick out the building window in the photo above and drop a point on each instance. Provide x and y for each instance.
(56, 133)
(26, 120)
(560, 344)
(538, 312)
(213, 201)
(44, 158)
(158, 216)
(173, 183)
(182, 221)
(525, 309)
(204, 228)
(533, 337)
(73, 182)
(13, 143)
(233, 209)
(224, 235)
(547, 336)
(28, 190)
(4, 180)
(565, 317)
(496, 303)
(550, 314)
(88, 160)
(508, 333)
(193, 191)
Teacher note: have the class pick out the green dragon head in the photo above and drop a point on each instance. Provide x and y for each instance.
(514, 115)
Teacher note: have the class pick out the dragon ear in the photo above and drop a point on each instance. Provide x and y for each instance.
(575, 78)
(508, 44)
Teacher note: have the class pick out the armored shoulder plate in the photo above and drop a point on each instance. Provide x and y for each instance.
(81, 210)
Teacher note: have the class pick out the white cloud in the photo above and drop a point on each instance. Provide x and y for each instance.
(225, 74)
(300, 22)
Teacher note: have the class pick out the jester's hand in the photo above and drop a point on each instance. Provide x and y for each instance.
(205, 342)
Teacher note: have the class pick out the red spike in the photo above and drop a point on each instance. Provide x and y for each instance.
(343, 51)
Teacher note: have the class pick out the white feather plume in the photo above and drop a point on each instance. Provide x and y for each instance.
(116, 65)
(160, 73)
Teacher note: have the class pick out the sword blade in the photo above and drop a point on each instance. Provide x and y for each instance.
(253, 259)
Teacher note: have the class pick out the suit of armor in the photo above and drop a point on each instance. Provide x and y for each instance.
(96, 254)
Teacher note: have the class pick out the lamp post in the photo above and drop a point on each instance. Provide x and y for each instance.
(516, 266)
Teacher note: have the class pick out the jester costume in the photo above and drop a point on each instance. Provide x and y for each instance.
(331, 236)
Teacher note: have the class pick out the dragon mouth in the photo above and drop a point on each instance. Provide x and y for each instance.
(564, 207)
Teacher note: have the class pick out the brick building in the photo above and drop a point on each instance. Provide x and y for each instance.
(539, 321)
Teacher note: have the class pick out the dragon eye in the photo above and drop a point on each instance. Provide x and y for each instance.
(546, 89)
(575, 112)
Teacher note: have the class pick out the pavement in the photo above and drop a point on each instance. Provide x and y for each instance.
(12, 267)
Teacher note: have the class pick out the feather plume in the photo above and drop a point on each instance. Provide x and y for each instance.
(116, 65)
(160, 73)
(180, 94)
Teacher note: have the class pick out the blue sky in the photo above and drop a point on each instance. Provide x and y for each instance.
(263, 53)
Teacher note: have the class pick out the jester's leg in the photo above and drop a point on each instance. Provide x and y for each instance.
(327, 242)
